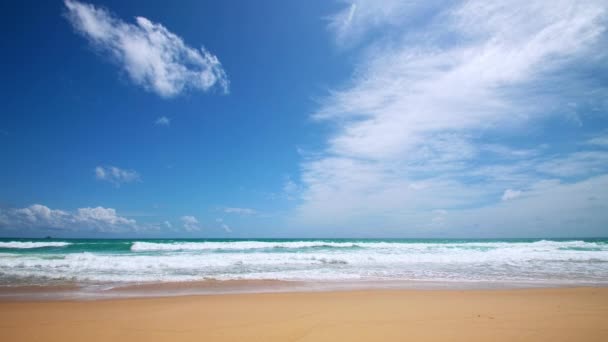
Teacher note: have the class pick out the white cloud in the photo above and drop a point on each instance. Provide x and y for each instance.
(223, 225)
(240, 211)
(115, 175)
(102, 217)
(83, 219)
(567, 209)
(151, 55)
(162, 121)
(439, 218)
(425, 97)
(361, 16)
(290, 189)
(507, 152)
(599, 141)
(190, 223)
(576, 164)
(510, 194)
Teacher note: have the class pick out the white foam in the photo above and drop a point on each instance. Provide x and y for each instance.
(140, 246)
(29, 244)
(550, 261)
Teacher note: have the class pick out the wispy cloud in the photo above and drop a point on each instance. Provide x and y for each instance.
(162, 121)
(151, 55)
(362, 16)
(576, 164)
(600, 140)
(116, 175)
(290, 189)
(223, 225)
(190, 223)
(240, 211)
(98, 219)
(412, 126)
(546, 207)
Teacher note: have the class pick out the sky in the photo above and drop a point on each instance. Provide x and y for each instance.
(354, 119)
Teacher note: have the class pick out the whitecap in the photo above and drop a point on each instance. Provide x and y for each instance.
(30, 244)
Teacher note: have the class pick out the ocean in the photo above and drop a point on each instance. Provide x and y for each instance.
(109, 264)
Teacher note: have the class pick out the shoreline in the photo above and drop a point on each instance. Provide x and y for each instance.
(80, 292)
(557, 314)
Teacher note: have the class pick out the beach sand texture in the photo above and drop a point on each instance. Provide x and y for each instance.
(564, 314)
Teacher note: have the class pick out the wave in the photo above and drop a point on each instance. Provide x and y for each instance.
(140, 246)
(524, 262)
(423, 247)
(306, 260)
(30, 244)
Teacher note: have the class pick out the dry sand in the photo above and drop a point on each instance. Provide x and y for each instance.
(577, 314)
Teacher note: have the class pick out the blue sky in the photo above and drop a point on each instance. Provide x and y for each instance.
(304, 119)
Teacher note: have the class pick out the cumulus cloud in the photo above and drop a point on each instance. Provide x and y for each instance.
(190, 223)
(240, 211)
(412, 127)
(162, 121)
(83, 219)
(151, 55)
(116, 175)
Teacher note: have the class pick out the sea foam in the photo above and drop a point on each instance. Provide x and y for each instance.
(30, 244)
(545, 261)
(139, 246)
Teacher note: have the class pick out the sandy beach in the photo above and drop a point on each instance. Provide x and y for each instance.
(563, 314)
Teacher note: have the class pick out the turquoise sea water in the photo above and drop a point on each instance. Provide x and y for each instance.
(122, 262)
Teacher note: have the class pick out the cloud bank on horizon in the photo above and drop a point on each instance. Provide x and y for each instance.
(152, 56)
(90, 220)
(430, 132)
(97, 219)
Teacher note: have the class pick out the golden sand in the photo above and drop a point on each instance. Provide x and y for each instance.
(577, 314)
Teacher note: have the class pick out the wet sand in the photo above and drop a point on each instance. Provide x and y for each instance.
(558, 314)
